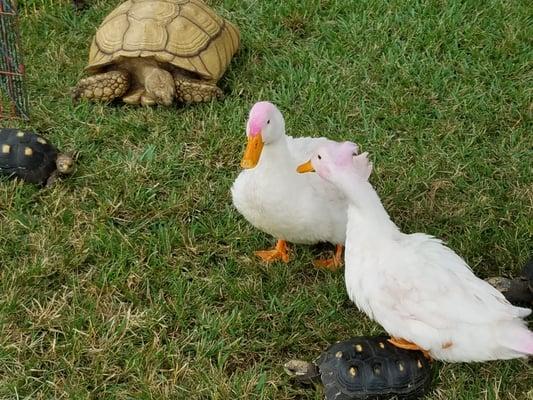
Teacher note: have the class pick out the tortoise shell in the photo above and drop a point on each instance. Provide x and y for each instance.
(26, 155)
(184, 33)
(528, 272)
(372, 368)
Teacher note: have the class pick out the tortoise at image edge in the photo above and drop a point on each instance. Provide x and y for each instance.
(519, 290)
(364, 368)
(152, 51)
(32, 158)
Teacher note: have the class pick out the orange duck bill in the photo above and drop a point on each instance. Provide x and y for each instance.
(305, 167)
(253, 150)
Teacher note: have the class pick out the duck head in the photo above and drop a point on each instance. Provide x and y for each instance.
(338, 163)
(265, 125)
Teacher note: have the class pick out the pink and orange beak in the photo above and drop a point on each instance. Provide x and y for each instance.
(305, 167)
(253, 150)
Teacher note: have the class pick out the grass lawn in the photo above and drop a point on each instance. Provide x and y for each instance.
(135, 277)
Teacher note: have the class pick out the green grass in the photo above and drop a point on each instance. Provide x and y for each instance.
(134, 278)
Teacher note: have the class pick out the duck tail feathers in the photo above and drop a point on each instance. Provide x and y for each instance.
(519, 339)
(523, 312)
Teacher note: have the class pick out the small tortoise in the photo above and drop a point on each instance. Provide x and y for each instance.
(79, 4)
(152, 51)
(365, 368)
(29, 156)
(518, 291)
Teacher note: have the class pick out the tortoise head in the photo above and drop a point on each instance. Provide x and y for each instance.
(65, 163)
(301, 370)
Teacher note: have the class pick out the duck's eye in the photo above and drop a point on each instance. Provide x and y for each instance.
(320, 158)
(268, 122)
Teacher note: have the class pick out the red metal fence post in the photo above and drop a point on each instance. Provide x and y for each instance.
(13, 97)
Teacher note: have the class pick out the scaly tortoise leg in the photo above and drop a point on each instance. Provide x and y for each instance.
(138, 96)
(190, 90)
(133, 96)
(52, 179)
(102, 87)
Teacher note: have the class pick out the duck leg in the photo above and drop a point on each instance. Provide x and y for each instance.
(280, 252)
(406, 345)
(334, 263)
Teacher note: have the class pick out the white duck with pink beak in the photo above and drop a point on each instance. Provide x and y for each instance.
(422, 293)
(274, 198)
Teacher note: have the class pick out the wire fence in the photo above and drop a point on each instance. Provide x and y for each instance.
(13, 97)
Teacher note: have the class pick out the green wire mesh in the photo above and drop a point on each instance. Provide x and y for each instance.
(13, 98)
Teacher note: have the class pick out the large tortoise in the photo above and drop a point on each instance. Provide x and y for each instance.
(150, 51)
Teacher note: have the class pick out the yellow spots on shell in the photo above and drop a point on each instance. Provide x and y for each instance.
(400, 366)
(20, 134)
(41, 140)
(338, 354)
(358, 348)
(382, 345)
(418, 364)
(28, 151)
(6, 148)
(353, 371)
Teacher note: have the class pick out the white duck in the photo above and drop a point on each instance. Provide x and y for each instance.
(274, 198)
(422, 293)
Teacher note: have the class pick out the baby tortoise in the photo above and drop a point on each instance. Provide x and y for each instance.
(30, 157)
(518, 291)
(365, 368)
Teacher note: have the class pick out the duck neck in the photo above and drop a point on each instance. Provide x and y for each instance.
(277, 152)
(367, 209)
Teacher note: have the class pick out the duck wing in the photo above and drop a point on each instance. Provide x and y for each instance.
(431, 284)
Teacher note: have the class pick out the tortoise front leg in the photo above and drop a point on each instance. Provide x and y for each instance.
(102, 87)
(52, 179)
(133, 96)
(139, 96)
(194, 90)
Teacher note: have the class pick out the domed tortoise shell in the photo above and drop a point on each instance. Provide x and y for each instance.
(26, 155)
(528, 273)
(365, 368)
(184, 33)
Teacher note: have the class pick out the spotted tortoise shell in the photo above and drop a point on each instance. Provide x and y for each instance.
(26, 155)
(365, 368)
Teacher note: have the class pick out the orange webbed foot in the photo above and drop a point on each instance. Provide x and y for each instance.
(334, 263)
(406, 345)
(280, 252)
